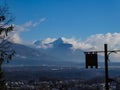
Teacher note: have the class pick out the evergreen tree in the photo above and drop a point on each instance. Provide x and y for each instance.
(6, 52)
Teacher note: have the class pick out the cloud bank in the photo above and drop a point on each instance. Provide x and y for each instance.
(44, 43)
(91, 43)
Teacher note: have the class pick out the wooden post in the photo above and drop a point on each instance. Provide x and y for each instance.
(106, 67)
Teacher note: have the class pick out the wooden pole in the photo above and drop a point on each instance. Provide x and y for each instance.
(106, 67)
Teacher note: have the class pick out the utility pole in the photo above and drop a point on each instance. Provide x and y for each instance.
(106, 67)
(92, 55)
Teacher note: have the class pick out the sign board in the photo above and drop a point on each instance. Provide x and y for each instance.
(91, 60)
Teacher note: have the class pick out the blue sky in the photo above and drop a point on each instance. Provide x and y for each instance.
(65, 18)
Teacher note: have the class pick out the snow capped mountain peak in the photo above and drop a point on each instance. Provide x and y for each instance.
(52, 42)
(37, 42)
(58, 41)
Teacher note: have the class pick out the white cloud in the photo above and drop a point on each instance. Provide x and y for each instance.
(76, 43)
(92, 43)
(46, 43)
(48, 40)
(39, 22)
(15, 37)
(112, 39)
(96, 42)
(29, 24)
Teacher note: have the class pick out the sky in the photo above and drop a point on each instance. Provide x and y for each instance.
(85, 22)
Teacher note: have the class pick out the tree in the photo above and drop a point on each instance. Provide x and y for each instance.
(6, 51)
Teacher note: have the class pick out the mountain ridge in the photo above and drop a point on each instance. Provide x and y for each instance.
(62, 50)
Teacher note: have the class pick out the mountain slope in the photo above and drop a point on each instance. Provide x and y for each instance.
(30, 56)
(62, 50)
